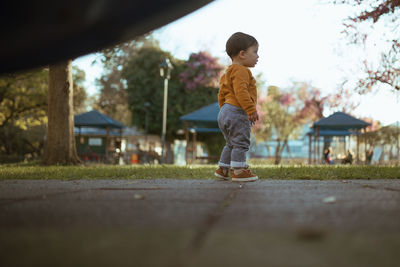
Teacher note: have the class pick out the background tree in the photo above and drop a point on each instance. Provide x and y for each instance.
(144, 84)
(372, 16)
(387, 139)
(119, 55)
(80, 96)
(371, 136)
(23, 102)
(113, 98)
(277, 113)
(186, 91)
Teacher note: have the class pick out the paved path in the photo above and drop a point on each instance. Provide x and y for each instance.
(166, 222)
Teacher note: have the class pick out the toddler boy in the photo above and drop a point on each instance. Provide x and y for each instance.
(237, 100)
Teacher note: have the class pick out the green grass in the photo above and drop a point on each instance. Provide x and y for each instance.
(194, 172)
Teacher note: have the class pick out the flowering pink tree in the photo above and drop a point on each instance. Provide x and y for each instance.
(279, 117)
(375, 125)
(312, 102)
(371, 16)
(201, 70)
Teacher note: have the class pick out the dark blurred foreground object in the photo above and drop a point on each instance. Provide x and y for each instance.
(41, 32)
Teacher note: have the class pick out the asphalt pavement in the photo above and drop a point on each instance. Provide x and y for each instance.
(171, 222)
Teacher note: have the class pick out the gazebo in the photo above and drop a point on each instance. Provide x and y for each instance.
(203, 120)
(337, 124)
(94, 119)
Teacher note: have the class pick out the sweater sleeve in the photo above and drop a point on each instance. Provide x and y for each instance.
(241, 82)
(221, 96)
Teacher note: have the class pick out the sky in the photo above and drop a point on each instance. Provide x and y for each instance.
(299, 40)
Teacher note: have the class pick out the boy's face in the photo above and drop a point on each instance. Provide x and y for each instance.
(250, 56)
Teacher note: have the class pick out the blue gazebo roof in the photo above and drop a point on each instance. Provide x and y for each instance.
(96, 119)
(205, 119)
(340, 121)
(95, 131)
(205, 130)
(205, 114)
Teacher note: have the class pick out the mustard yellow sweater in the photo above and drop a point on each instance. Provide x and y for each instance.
(238, 87)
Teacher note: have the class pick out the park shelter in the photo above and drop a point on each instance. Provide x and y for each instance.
(98, 130)
(203, 120)
(337, 124)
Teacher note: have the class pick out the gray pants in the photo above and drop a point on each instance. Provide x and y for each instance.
(235, 126)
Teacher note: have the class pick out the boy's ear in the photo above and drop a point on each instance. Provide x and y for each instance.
(241, 53)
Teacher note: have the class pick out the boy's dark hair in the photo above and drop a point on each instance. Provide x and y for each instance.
(239, 41)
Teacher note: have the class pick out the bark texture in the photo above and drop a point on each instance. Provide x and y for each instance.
(60, 141)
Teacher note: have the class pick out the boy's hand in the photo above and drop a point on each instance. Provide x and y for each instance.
(253, 117)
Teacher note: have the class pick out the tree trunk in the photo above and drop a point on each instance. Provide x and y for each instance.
(278, 153)
(60, 147)
(382, 156)
(391, 154)
(286, 144)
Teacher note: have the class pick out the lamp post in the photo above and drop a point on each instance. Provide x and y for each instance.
(165, 72)
(147, 105)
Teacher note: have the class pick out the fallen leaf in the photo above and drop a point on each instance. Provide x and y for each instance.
(138, 196)
(329, 200)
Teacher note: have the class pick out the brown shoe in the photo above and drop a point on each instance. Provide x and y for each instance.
(222, 173)
(244, 176)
